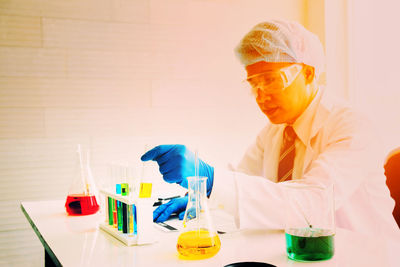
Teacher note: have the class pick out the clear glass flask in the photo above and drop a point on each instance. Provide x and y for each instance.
(197, 240)
(82, 196)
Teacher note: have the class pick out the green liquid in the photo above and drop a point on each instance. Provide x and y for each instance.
(124, 189)
(119, 213)
(110, 211)
(309, 244)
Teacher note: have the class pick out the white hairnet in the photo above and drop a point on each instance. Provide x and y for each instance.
(281, 41)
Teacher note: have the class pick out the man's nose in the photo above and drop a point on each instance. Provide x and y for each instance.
(262, 96)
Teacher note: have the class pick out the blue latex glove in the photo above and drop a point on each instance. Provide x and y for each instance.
(176, 205)
(176, 163)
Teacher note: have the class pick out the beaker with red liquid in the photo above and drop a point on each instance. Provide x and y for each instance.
(81, 199)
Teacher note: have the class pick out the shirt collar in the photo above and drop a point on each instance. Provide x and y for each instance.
(313, 115)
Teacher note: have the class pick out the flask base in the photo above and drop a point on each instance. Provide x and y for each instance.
(196, 245)
(81, 204)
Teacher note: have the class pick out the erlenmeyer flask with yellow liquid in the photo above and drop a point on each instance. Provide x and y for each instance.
(197, 240)
(82, 195)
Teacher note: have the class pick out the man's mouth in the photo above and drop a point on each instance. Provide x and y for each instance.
(270, 110)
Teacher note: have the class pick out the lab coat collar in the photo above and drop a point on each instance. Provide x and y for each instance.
(324, 108)
(315, 115)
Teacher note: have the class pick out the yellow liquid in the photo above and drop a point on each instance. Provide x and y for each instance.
(196, 245)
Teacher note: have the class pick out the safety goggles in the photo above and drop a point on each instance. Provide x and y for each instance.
(273, 82)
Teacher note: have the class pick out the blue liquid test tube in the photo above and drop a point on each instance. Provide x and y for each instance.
(134, 220)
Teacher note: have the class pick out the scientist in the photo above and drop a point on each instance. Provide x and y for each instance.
(312, 138)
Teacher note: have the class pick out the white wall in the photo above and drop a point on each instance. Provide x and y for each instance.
(374, 57)
(362, 58)
(337, 47)
(114, 75)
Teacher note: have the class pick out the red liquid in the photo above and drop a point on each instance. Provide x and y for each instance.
(81, 205)
(115, 215)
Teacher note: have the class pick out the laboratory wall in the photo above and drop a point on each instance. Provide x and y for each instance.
(374, 66)
(115, 75)
(362, 58)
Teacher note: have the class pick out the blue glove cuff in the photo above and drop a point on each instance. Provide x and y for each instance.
(210, 181)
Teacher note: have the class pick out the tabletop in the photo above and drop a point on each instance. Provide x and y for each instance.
(78, 241)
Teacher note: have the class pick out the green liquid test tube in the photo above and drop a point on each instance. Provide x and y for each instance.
(124, 189)
(119, 212)
(110, 211)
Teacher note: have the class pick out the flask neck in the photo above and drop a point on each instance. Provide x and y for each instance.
(197, 187)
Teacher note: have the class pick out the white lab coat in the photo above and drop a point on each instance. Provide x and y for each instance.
(337, 147)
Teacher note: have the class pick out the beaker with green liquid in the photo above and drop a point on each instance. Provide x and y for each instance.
(309, 222)
(198, 239)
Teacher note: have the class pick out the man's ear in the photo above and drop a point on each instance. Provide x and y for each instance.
(309, 73)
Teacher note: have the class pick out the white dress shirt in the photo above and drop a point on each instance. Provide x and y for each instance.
(336, 145)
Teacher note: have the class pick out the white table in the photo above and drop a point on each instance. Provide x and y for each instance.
(78, 241)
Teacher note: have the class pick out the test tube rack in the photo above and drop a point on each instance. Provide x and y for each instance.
(143, 219)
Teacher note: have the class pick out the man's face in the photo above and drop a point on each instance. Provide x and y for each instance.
(281, 105)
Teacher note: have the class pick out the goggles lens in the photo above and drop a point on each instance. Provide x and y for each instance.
(274, 81)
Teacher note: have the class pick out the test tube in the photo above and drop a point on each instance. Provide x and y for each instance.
(124, 192)
(118, 189)
(115, 216)
(134, 220)
(124, 180)
(110, 211)
(119, 213)
(124, 189)
(130, 219)
(118, 208)
(124, 218)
